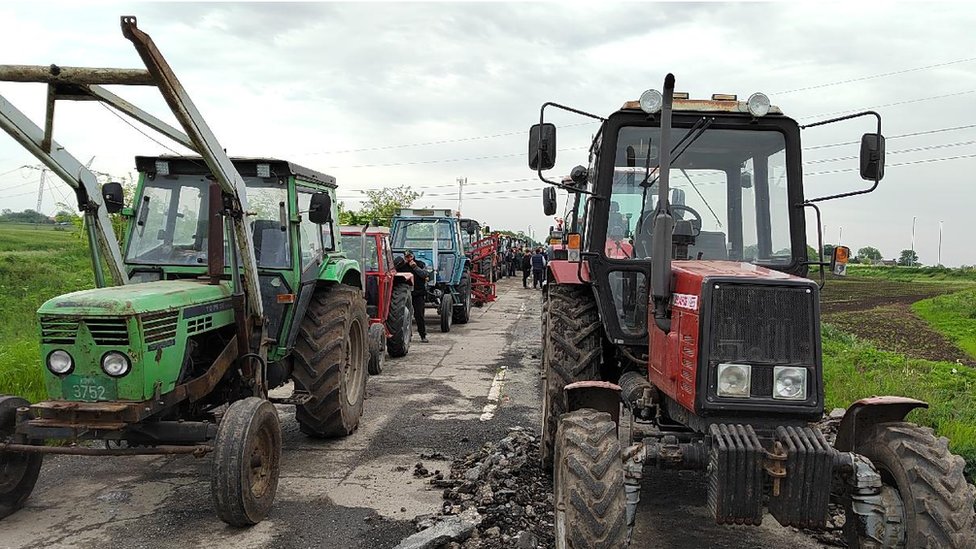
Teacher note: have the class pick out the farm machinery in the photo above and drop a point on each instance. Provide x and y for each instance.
(481, 247)
(434, 237)
(230, 282)
(388, 303)
(684, 307)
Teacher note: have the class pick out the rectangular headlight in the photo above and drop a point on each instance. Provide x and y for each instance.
(790, 383)
(734, 380)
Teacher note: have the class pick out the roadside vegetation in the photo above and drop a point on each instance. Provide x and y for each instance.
(953, 316)
(36, 263)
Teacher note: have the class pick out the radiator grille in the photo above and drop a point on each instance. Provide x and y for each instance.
(159, 327)
(108, 331)
(60, 330)
(756, 324)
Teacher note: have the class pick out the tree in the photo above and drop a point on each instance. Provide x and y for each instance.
(382, 204)
(350, 217)
(908, 257)
(869, 252)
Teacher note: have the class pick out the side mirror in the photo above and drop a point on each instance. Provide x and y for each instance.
(320, 208)
(470, 229)
(745, 180)
(549, 201)
(113, 197)
(872, 156)
(838, 260)
(542, 146)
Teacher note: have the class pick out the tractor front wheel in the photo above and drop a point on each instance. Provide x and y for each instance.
(928, 502)
(18, 471)
(463, 313)
(377, 348)
(590, 502)
(246, 462)
(331, 357)
(446, 311)
(399, 322)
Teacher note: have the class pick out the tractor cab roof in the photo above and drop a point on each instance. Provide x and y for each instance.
(358, 229)
(719, 103)
(247, 167)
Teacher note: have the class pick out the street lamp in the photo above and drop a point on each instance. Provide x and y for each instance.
(940, 243)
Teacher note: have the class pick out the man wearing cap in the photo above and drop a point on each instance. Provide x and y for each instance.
(409, 264)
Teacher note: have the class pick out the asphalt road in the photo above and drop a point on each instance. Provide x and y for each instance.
(359, 491)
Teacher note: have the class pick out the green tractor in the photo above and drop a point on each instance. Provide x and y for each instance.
(230, 282)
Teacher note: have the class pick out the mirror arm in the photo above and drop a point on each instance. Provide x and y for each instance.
(877, 175)
(542, 120)
(820, 245)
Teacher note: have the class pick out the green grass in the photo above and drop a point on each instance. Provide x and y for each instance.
(854, 369)
(952, 315)
(913, 274)
(36, 264)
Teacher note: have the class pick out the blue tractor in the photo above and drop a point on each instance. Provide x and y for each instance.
(434, 237)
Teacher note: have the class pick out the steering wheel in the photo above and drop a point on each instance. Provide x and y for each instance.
(647, 227)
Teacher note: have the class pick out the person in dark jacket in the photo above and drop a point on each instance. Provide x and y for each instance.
(538, 262)
(409, 264)
(526, 268)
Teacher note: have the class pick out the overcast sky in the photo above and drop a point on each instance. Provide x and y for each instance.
(421, 94)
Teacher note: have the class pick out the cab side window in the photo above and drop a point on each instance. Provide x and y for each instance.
(310, 234)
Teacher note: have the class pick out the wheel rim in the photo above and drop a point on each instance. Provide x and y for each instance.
(261, 463)
(353, 372)
(407, 325)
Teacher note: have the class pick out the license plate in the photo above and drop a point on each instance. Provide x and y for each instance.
(88, 388)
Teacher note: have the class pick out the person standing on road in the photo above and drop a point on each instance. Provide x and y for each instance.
(526, 268)
(409, 264)
(538, 262)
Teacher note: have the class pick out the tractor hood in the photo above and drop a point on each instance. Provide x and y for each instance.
(736, 269)
(133, 299)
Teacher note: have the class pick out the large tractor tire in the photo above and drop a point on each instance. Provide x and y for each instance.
(590, 502)
(18, 471)
(377, 348)
(925, 482)
(399, 322)
(331, 358)
(463, 313)
(246, 462)
(446, 311)
(572, 350)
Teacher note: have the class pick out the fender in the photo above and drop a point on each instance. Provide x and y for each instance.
(601, 396)
(862, 415)
(343, 270)
(561, 271)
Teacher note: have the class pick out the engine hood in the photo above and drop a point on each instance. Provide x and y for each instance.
(132, 299)
(736, 269)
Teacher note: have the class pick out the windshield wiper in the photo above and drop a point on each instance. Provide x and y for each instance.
(705, 123)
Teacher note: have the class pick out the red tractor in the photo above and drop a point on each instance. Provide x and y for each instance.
(683, 296)
(388, 303)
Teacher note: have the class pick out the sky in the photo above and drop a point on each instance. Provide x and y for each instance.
(422, 94)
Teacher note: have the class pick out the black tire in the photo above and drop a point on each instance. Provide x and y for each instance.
(377, 348)
(246, 462)
(572, 350)
(331, 356)
(463, 313)
(399, 322)
(18, 471)
(928, 478)
(446, 312)
(590, 502)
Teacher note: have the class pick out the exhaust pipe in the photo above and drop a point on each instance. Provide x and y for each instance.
(663, 221)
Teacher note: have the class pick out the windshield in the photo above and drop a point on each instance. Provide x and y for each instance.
(170, 225)
(732, 182)
(419, 234)
(352, 247)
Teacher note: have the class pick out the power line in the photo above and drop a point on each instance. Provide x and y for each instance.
(900, 151)
(138, 129)
(873, 76)
(441, 161)
(890, 137)
(908, 163)
(897, 103)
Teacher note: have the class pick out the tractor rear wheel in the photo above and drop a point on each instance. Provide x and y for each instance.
(590, 502)
(925, 486)
(377, 348)
(572, 350)
(331, 358)
(18, 471)
(246, 462)
(399, 322)
(463, 313)
(446, 311)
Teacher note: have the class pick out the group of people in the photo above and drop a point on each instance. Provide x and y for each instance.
(529, 261)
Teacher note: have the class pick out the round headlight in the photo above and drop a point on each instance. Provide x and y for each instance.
(115, 364)
(59, 362)
(758, 104)
(651, 101)
(789, 383)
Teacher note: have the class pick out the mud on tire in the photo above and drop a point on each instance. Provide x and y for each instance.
(591, 506)
(572, 349)
(330, 362)
(929, 478)
(399, 321)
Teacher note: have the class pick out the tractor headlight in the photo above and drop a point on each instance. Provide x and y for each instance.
(115, 364)
(59, 362)
(734, 380)
(651, 101)
(789, 383)
(758, 104)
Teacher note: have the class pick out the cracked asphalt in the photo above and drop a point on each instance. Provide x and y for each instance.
(359, 492)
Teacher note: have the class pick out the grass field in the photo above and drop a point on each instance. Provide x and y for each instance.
(953, 316)
(36, 263)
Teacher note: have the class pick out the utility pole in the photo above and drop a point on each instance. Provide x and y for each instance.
(462, 181)
(911, 260)
(940, 243)
(840, 235)
(40, 191)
